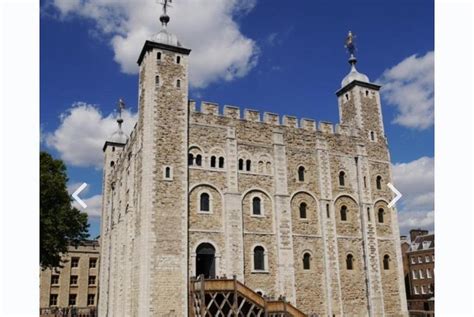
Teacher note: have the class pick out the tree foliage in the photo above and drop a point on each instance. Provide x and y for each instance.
(61, 224)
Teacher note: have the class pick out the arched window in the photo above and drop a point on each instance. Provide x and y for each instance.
(259, 258)
(256, 206)
(342, 180)
(386, 262)
(306, 261)
(167, 172)
(158, 55)
(303, 210)
(350, 262)
(213, 161)
(260, 166)
(379, 182)
(368, 214)
(198, 160)
(247, 165)
(327, 211)
(269, 168)
(221, 162)
(178, 59)
(190, 159)
(372, 135)
(344, 213)
(241, 164)
(381, 214)
(204, 202)
(112, 163)
(301, 173)
(157, 80)
(178, 83)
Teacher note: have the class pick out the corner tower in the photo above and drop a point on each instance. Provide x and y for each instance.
(163, 130)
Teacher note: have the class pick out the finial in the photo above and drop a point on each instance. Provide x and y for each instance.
(351, 47)
(121, 107)
(164, 18)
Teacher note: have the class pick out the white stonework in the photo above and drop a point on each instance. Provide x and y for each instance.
(152, 226)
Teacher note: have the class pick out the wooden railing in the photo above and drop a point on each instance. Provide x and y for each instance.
(229, 297)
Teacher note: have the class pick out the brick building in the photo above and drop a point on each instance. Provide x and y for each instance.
(291, 208)
(420, 257)
(74, 285)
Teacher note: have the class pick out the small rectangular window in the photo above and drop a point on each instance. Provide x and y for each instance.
(420, 260)
(415, 289)
(428, 273)
(91, 280)
(414, 275)
(53, 300)
(54, 279)
(327, 211)
(421, 274)
(72, 299)
(91, 299)
(74, 262)
(178, 59)
(92, 263)
(413, 260)
(73, 279)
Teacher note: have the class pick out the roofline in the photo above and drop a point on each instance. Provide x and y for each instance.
(151, 45)
(357, 82)
(112, 144)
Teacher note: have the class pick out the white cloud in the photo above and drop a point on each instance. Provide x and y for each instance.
(415, 180)
(219, 50)
(409, 86)
(82, 133)
(94, 206)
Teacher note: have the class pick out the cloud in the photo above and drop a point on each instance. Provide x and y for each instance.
(82, 133)
(219, 50)
(409, 86)
(94, 206)
(415, 180)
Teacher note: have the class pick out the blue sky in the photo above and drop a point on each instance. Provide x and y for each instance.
(277, 56)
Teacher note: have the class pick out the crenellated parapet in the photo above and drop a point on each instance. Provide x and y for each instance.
(270, 118)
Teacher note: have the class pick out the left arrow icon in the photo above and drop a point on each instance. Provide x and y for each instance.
(77, 192)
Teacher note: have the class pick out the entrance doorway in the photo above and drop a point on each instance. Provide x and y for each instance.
(206, 260)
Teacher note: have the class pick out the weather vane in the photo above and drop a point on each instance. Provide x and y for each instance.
(121, 107)
(166, 4)
(350, 43)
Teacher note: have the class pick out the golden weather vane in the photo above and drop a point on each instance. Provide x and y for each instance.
(350, 43)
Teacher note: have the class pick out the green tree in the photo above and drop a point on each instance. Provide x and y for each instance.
(60, 223)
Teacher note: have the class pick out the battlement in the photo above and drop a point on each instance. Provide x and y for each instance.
(252, 115)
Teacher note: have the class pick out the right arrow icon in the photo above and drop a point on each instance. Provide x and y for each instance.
(396, 198)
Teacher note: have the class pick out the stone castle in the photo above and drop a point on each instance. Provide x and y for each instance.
(290, 207)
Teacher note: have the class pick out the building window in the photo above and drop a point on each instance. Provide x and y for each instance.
(365, 182)
(204, 202)
(379, 182)
(328, 215)
(167, 172)
(259, 258)
(414, 274)
(306, 261)
(241, 165)
(198, 160)
(91, 280)
(90, 299)
(221, 162)
(342, 177)
(53, 300)
(72, 299)
(157, 80)
(421, 274)
(54, 279)
(256, 206)
(190, 159)
(428, 273)
(381, 213)
(415, 289)
(413, 260)
(386, 262)
(431, 288)
(73, 279)
(350, 262)
(158, 56)
(368, 214)
(343, 213)
(247, 165)
(372, 136)
(423, 289)
(427, 259)
(213, 161)
(178, 83)
(178, 59)
(74, 262)
(301, 173)
(303, 207)
(420, 259)
(432, 258)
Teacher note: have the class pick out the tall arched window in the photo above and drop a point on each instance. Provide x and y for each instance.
(306, 261)
(386, 262)
(381, 214)
(379, 182)
(178, 59)
(157, 80)
(167, 172)
(372, 136)
(259, 258)
(342, 180)
(198, 160)
(301, 173)
(158, 55)
(344, 213)
(190, 159)
(241, 164)
(368, 214)
(350, 262)
(256, 206)
(213, 161)
(303, 207)
(247, 165)
(221, 162)
(204, 202)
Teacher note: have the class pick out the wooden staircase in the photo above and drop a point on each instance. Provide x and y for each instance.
(230, 298)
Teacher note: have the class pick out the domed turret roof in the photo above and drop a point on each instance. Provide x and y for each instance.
(354, 74)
